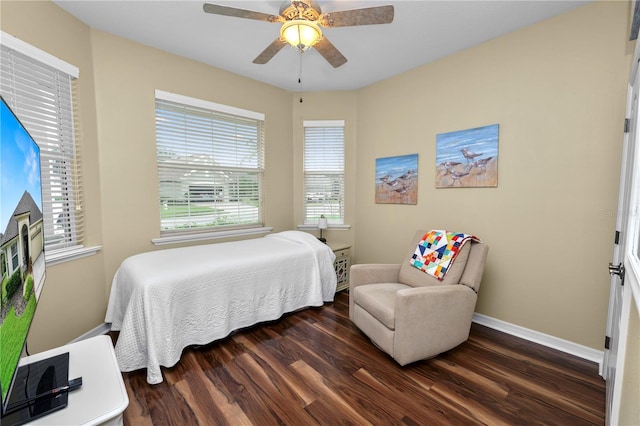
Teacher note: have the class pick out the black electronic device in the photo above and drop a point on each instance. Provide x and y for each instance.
(39, 388)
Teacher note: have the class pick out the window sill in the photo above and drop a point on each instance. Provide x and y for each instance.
(314, 227)
(185, 238)
(55, 257)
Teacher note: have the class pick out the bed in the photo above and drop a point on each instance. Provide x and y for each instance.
(163, 301)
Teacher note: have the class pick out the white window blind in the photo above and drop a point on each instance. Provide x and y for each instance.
(40, 89)
(210, 165)
(324, 171)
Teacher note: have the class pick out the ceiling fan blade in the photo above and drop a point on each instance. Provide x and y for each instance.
(269, 52)
(366, 16)
(330, 53)
(238, 13)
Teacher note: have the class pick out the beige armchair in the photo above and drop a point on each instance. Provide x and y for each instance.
(411, 315)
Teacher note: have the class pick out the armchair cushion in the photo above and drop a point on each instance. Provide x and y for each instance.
(380, 301)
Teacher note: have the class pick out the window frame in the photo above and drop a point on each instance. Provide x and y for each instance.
(72, 245)
(311, 218)
(200, 109)
(15, 256)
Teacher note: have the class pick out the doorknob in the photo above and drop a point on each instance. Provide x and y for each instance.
(617, 270)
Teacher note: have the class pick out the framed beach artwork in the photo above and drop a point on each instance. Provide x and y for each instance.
(467, 158)
(397, 180)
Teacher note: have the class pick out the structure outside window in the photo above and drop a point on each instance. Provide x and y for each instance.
(324, 171)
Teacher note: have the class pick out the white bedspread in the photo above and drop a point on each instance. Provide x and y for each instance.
(163, 301)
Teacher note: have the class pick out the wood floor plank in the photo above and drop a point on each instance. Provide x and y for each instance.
(414, 404)
(137, 412)
(299, 391)
(207, 400)
(536, 384)
(337, 403)
(234, 378)
(315, 367)
(275, 393)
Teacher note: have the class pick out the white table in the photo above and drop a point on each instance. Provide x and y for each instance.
(102, 398)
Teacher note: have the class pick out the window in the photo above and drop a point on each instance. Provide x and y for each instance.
(3, 266)
(210, 165)
(324, 171)
(40, 89)
(14, 256)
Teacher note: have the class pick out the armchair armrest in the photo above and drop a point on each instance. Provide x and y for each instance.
(370, 273)
(438, 316)
(373, 273)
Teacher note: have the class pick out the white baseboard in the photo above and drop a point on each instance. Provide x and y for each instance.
(103, 328)
(566, 346)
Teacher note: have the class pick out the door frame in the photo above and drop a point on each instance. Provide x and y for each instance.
(625, 252)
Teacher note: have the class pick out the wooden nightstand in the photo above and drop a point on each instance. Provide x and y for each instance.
(341, 264)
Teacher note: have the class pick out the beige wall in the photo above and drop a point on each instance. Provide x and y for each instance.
(127, 74)
(557, 89)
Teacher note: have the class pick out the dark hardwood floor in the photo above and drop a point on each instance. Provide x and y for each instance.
(315, 367)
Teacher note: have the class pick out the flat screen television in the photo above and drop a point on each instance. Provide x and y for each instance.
(25, 389)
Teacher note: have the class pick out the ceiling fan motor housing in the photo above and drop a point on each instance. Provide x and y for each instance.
(300, 9)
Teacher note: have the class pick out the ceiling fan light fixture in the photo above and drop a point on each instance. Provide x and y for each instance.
(300, 33)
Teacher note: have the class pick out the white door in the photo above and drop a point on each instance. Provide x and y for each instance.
(625, 265)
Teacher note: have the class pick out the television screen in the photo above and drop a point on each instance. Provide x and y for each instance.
(22, 264)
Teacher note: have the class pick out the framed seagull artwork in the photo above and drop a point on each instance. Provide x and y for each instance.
(397, 180)
(467, 158)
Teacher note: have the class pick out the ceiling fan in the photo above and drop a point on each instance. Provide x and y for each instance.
(301, 21)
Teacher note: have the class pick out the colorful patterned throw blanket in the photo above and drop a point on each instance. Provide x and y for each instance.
(437, 250)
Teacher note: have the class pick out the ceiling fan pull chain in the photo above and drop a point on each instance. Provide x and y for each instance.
(300, 78)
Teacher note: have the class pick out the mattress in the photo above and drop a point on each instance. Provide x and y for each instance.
(163, 301)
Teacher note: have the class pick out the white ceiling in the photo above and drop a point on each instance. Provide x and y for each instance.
(422, 32)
